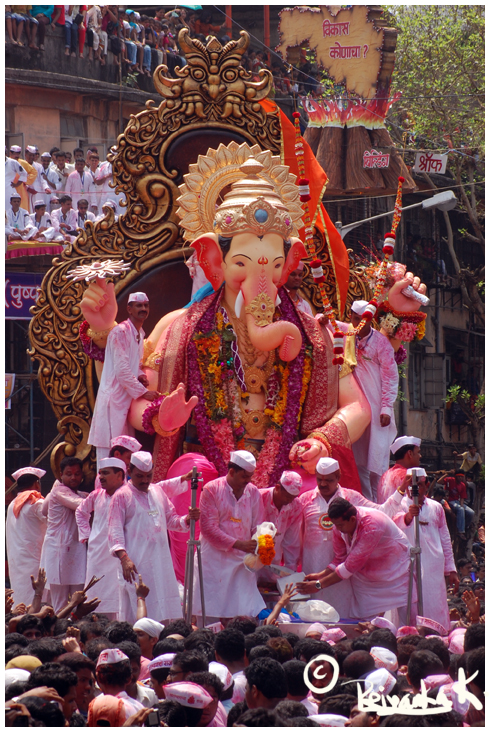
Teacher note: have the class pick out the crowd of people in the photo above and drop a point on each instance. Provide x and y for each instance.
(94, 629)
(47, 198)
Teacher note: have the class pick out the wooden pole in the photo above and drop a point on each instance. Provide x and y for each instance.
(267, 34)
(228, 27)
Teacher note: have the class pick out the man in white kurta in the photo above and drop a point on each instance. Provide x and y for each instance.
(282, 507)
(437, 553)
(377, 374)
(38, 188)
(44, 228)
(317, 528)
(373, 554)
(15, 175)
(406, 451)
(103, 191)
(122, 377)
(231, 509)
(100, 561)
(63, 557)
(24, 532)
(64, 218)
(140, 514)
(18, 223)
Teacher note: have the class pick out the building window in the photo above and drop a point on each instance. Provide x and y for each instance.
(415, 379)
(72, 127)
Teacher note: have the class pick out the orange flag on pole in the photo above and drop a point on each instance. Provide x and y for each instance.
(318, 180)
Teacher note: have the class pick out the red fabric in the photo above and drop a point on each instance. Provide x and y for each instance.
(350, 476)
(61, 19)
(455, 490)
(318, 178)
(23, 498)
(31, 250)
(178, 543)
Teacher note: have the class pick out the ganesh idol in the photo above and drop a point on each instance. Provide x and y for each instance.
(242, 368)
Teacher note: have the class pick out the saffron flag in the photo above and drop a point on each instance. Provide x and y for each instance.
(318, 180)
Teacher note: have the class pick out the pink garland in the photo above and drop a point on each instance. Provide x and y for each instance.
(150, 411)
(89, 347)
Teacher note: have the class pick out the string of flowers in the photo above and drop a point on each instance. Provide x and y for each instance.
(316, 265)
(265, 549)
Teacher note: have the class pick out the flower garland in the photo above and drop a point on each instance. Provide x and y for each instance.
(265, 549)
(402, 326)
(89, 347)
(151, 411)
(212, 377)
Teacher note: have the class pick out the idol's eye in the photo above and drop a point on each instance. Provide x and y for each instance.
(277, 266)
(240, 264)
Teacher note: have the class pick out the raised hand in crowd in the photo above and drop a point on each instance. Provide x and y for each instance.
(9, 601)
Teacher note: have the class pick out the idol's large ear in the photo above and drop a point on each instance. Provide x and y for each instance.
(295, 255)
(210, 257)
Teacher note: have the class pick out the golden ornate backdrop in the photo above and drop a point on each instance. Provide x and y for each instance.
(212, 99)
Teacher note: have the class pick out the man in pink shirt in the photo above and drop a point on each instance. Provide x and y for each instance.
(80, 183)
(374, 555)
(281, 506)
(231, 509)
(406, 451)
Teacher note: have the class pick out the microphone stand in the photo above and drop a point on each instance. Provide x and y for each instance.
(415, 558)
(189, 559)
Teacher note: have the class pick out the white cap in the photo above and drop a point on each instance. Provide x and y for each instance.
(163, 661)
(39, 202)
(359, 306)
(420, 472)
(379, 622)
(325, 466)
(223, 674)
(244, 459)
(112, 462)
(111, 655)
(110, 203)
(138, 297)
(130, 443)
(15, 674)
(31, 148)
(46, 155)
(291, 482)
(333, 635)
(15, 195)
(316, 629)
(28, 471)
(301, 265)
(188, 694)
(379, 681)
(405, 440)
(149, 626)
(15, 148)
(384, 658)
(142, 460)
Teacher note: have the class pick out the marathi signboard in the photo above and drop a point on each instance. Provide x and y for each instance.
(21, 292)
(430, 163)
(346, 43)
(374, 159)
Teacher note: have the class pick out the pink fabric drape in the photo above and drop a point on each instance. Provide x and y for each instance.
(178, 543)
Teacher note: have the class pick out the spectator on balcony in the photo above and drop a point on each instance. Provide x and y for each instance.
(45, 15)
(65, 219)
(82, 26)
(138, 37)
(83, 214)
(37, 189)
(204, 26)
(18, 224)
(110, 26)
(44, 229)
(131, 50)
(71, 32)
(151, 38)
(94, 21)
(49, 177)
(79, 182)
(20, 19)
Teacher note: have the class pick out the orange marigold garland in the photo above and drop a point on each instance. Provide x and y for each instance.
(265, 550)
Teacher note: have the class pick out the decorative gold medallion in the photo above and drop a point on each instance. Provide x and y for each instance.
(262, 308)
(254, 422)
(255, 379)
(325, 523)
